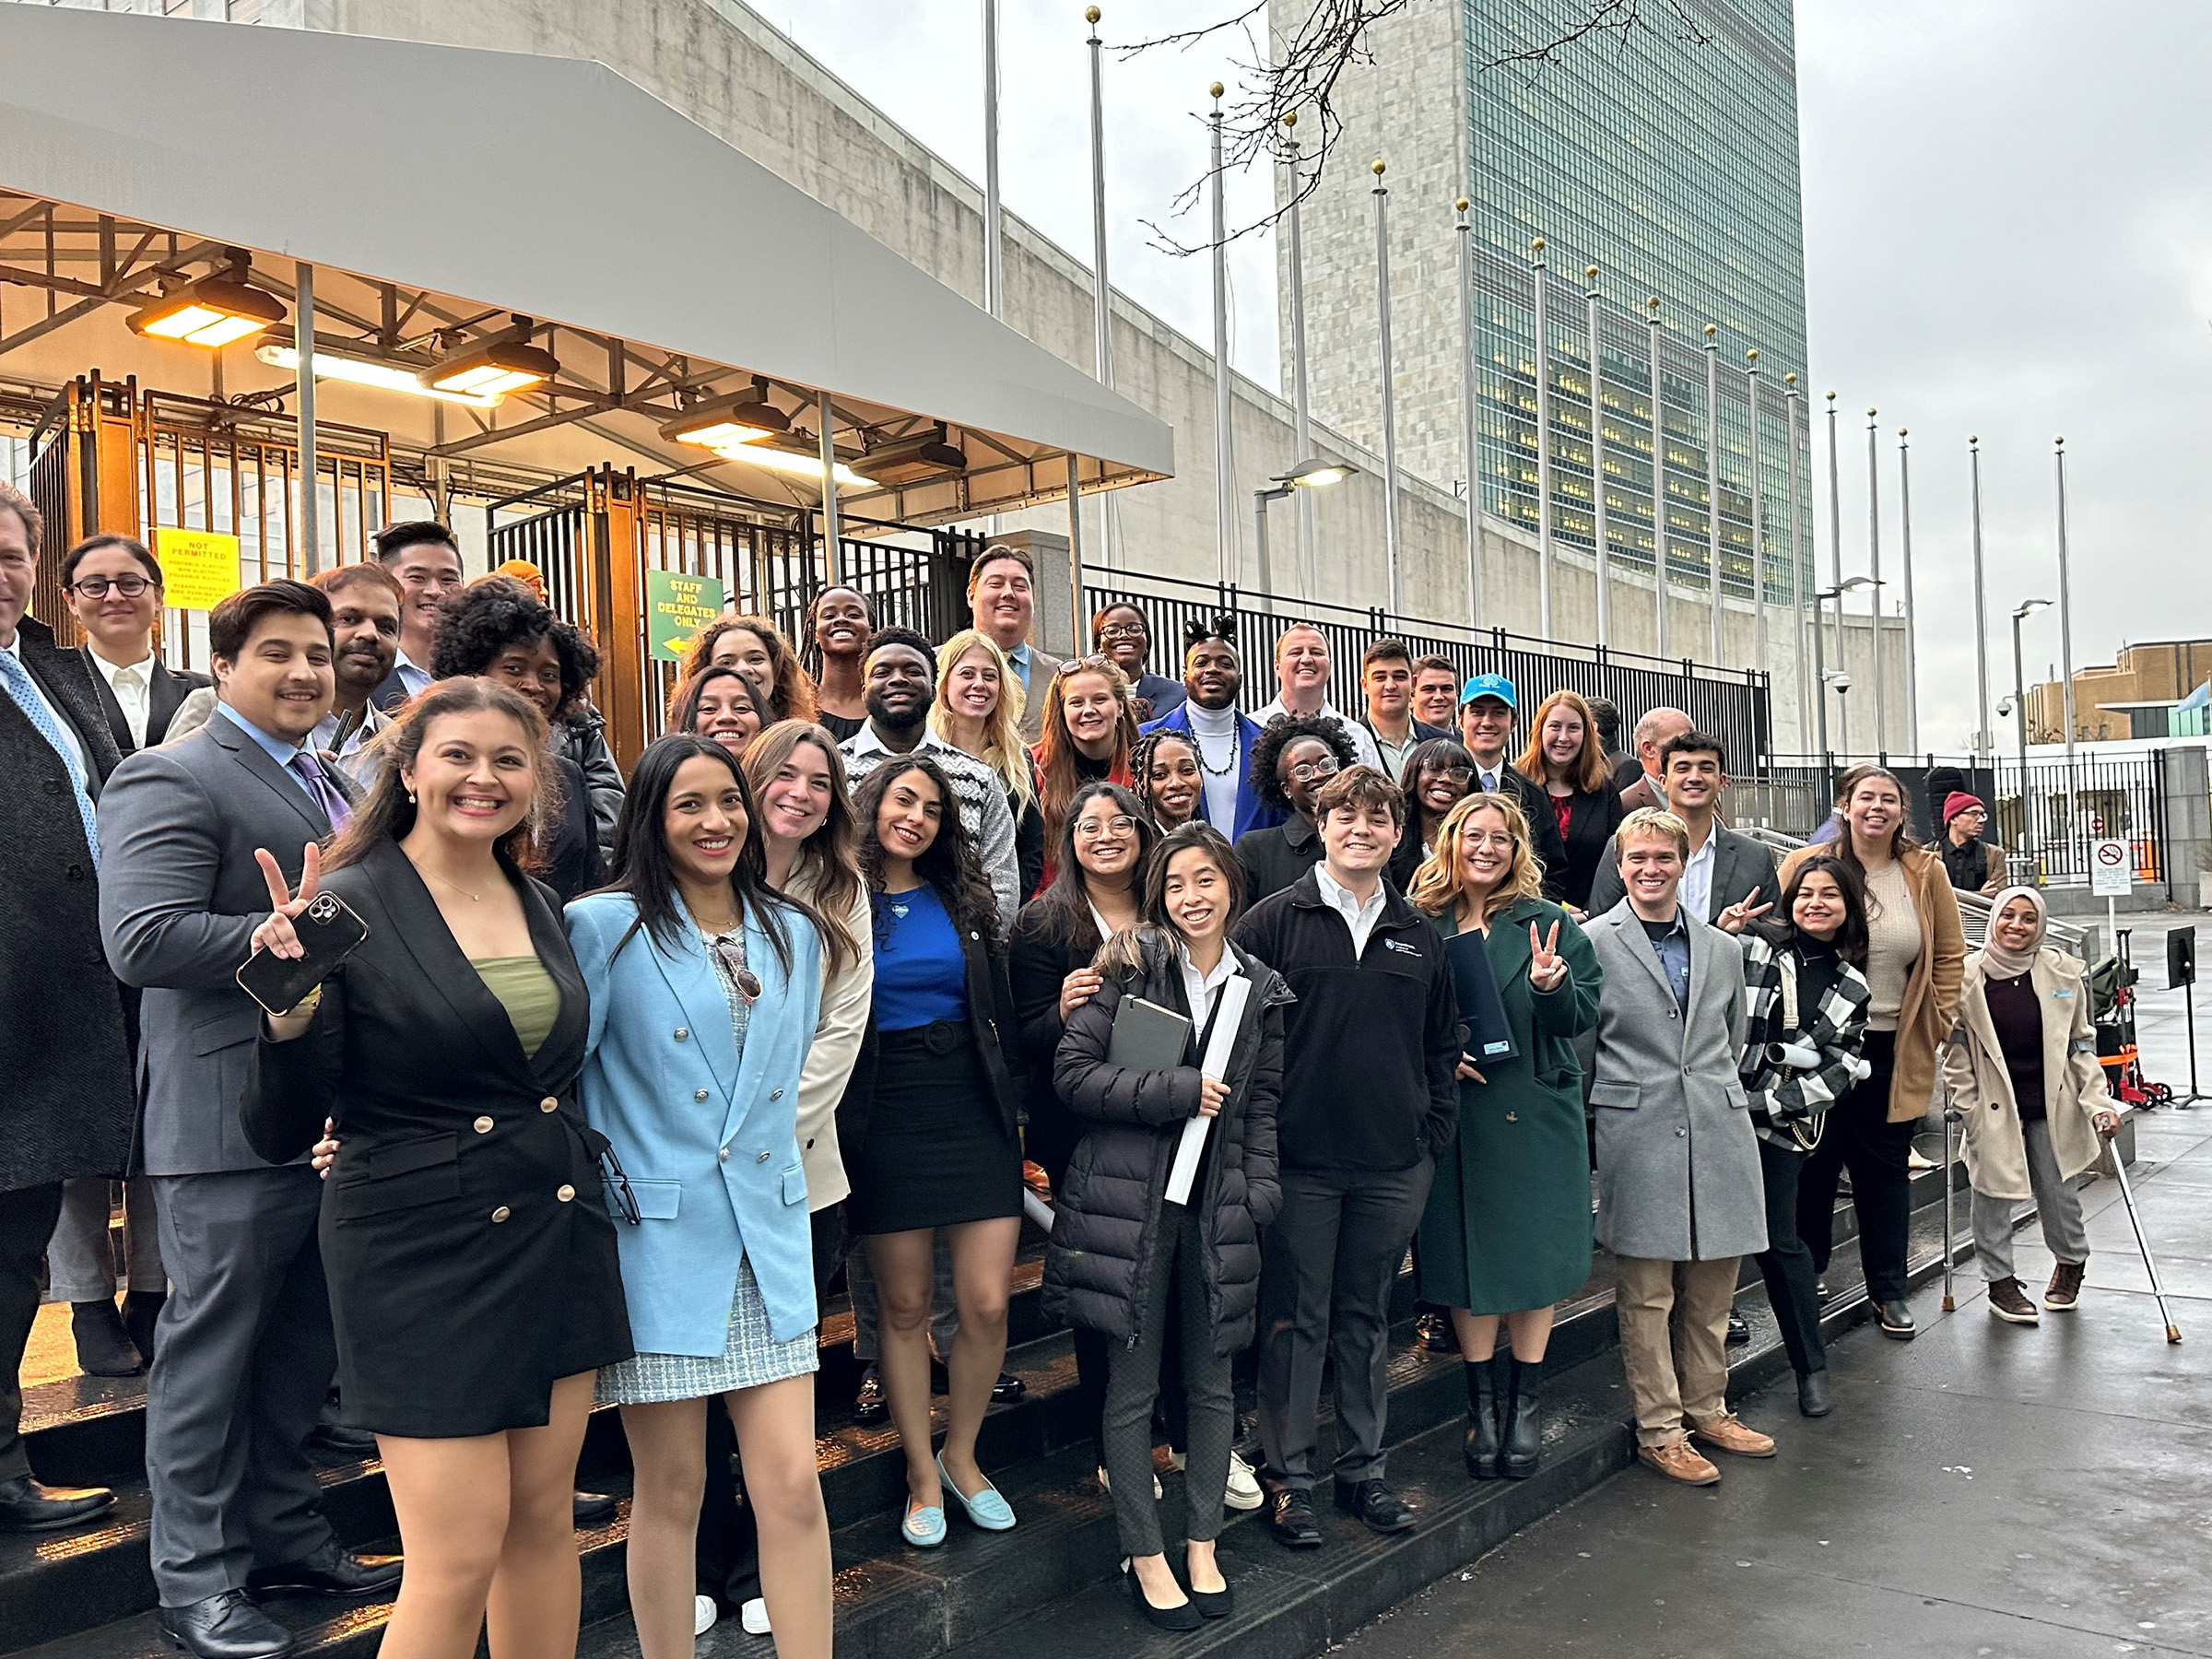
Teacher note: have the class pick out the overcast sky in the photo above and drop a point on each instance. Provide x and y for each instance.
(2008, 232)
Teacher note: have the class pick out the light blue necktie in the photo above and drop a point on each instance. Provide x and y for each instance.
(18, 682)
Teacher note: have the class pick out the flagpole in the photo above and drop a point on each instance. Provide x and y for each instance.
(1225, 482)
(1102, 299)
(1543, 362)
(1597, 462)
(1659, 555)
(1759, 520)
(1835, 553)
(1791, 408)
(1905, 504)
(1466, 409)
(1712, 484)
(994, 292)
(1301, 411)
(1985, 745)
(1874, 568)
(2065, 619)
(1390, 399)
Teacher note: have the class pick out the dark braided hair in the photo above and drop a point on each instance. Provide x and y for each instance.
(1140, 767)
(1281, 733)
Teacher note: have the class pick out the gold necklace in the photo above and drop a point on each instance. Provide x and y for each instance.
(441, 881)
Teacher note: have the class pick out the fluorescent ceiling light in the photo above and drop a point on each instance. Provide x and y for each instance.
(363, 373)
(492, 370)
(796, 465)
(212, 311)
(733, 419)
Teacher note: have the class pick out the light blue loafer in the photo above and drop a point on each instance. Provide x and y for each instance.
(987, 1508)
(923, 1526)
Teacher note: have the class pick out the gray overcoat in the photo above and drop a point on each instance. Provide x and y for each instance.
(1677, 1159)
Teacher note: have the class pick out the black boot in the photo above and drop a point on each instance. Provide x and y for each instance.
(103, 1350)
(141, 1311)
(1524, 1421)
(1482, 1409)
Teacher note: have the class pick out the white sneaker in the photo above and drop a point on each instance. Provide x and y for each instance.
(1106, 1485)
(1243, 1491)
(704, 1614)
(753, 1617)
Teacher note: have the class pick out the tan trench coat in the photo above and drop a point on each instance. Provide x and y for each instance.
(1978, 1083)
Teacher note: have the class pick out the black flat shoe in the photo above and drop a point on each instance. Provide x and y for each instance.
(1895, 1321)
(1291, 1514)
(104, 1348)
(1185, 1618)
(1384, 1511)
(1007, 1389)
(1812, 1395)
(1215, 1603)
(330, 1570)
(593, 1508)
(1820, 1290)
(228, 1626)
(1739, 1330)
(27, 1507)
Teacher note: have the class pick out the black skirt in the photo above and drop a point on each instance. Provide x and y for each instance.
(936, 1154)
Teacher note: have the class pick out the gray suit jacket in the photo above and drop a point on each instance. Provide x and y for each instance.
(1739, 864)
(1044, 665)
(180, 896)
(1678, 1161)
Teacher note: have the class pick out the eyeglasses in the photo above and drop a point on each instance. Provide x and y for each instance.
(96, 587)
(1458, 774)
(1306, 771)
(626, 1201)
(1092, 828)
(1125, 630)
(727, 957)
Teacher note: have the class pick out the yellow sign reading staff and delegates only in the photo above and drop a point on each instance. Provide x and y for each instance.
(199, 568)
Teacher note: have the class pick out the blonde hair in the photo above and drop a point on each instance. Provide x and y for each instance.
(1652, 820)
(1004, 751)
(1441, 882)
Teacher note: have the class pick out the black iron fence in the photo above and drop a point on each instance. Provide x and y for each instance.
(1731, 703)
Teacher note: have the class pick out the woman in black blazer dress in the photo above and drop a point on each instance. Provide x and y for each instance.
(1564, 758)
(1294, 757)
(465, 1236)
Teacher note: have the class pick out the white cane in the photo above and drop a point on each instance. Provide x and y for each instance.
(1950, 1117)
(2173, 1332)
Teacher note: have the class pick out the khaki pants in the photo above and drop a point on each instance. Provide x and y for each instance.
(1674, 1336)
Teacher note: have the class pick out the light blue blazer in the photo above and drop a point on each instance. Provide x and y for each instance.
(707, 1141)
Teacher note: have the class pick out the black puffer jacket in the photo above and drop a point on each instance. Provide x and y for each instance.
(1109, 1206)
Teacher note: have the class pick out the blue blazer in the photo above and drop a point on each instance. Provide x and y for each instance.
(708, 1140)
(1252, 812)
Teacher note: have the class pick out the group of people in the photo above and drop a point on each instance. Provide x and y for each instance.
(881, 943)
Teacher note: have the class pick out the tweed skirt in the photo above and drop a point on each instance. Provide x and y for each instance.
(750, 1356)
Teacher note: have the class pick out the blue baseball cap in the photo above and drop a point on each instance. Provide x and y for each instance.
(1490, 685)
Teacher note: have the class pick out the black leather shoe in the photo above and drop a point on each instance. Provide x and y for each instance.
(225, 1627)
(358, 1444)
(869, 1407)
(1521, 1435)
(1739, 1330)
(330, 1570)
(1434, 1332)
(1812, 1395)
(1381, 1509)
(1821, 1291)
(141, 1311)
(1007, 1389)
(593, 1509)
(25, 1506)
(1480, 1449)
(104, 1348)
(1895, 1321)
(1291, 1514)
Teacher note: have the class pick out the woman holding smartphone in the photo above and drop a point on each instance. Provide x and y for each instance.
(704, 987)
(474, 1285)
(1196, 1262)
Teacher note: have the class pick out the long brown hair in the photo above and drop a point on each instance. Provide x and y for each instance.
(389, 812)
(831, 854)
(1591, 772)
(1901, 838)
(1441, 882)
(1058, 778)
(950, 863)
(790, 695)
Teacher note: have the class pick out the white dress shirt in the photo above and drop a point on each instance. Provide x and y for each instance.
(133, 685)
(1361, 918)
(1198, 988)
(412, 676)
(1696, 879)
(1364, 752)
(83, 756)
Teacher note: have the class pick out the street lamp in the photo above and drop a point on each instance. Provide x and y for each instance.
(1820, 675)
(1841, 682)
(1309, 473)
(2028, 608)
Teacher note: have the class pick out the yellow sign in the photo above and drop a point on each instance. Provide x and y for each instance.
(199, 568)
(676, 608)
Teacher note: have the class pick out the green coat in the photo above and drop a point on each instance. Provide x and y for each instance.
(1508, 1223)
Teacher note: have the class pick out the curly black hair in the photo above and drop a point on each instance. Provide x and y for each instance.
(494, 612)
(950, 864)
(1280, 731)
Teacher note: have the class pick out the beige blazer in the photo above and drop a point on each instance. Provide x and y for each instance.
(1978, 1084)
(839, 1026)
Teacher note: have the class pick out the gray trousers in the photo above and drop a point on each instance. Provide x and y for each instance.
(944, 1316)
(245, 1356)
(1330, 1260)
(2058, 1206)
(80, 1259)
(1176, 1289)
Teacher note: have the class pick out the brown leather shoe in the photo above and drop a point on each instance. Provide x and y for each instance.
(2010, 1303)
(2065, 1288)
(1679, 1461)
(1732, 1434)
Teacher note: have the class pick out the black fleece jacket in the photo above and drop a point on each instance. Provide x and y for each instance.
(1371, 1046)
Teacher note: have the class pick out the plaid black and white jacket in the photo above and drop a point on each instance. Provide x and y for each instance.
(1835, 1025)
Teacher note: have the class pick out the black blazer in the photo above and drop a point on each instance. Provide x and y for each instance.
(1276, 857)
(1591, 820)
(991, 1021)
(165, 690)
(1544, 830)
(1038, 964)
(465, 1236)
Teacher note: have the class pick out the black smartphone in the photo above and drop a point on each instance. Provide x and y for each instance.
(329, 930)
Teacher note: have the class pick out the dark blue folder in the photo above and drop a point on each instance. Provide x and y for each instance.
(1481, 1011)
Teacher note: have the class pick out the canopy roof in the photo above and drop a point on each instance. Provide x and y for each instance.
(441, 193)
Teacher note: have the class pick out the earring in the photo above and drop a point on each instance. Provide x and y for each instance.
(410, 797)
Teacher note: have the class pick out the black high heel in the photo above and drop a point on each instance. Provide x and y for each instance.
(1211, 1604)
(1185, 1618)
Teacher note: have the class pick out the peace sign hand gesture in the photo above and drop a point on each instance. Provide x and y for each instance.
(276, 936)
(1743, 911)
(1546, 966)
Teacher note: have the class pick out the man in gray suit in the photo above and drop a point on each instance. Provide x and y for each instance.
(1680, 1195)
(243, 1353)
(1002, 601)
(1727, 869)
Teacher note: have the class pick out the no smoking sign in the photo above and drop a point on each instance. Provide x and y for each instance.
(2110, 870)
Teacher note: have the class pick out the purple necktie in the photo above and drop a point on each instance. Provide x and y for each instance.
(310, 771)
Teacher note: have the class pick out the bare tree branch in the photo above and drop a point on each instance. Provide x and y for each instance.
(1285, 106)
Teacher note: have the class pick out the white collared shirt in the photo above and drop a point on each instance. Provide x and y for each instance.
(1697, 878)
(1361, 918)
(1488, 778)
(413, 676)
(85, 775)
(1198, 988)
(133, 685)
(1364, 752)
